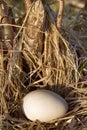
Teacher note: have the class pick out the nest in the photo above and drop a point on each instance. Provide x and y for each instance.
(39, 56)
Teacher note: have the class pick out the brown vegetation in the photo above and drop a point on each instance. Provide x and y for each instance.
(42, 53)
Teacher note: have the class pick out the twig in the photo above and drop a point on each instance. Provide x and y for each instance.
(60, 14)
(24, 27)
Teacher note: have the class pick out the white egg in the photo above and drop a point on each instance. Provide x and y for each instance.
(44, 105)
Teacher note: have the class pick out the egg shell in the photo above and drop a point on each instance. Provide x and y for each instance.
(44, 105)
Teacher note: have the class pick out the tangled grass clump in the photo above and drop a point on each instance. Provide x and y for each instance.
(39, 56)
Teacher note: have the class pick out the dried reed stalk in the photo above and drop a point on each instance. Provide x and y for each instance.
(60, 13)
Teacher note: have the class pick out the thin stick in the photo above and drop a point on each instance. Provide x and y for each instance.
(60, 14)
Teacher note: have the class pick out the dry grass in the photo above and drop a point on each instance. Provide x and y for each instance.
(41, 57)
